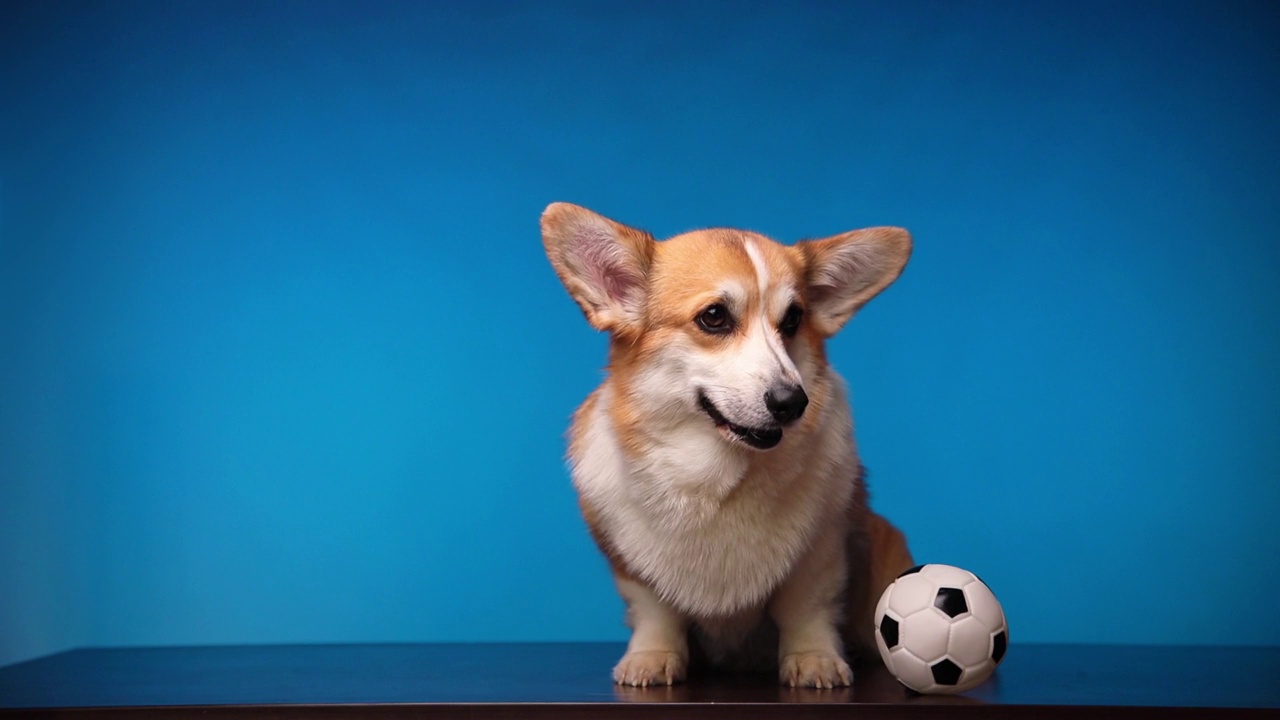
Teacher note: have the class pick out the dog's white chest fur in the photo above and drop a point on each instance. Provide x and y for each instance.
(708, 532)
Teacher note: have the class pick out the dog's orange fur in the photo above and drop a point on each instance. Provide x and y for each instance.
(646, 294)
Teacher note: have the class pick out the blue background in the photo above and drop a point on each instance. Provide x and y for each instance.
(281, 359)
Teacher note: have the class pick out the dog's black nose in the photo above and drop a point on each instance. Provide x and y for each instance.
(786, 402)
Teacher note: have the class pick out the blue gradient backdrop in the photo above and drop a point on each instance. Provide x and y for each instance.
(281, 359)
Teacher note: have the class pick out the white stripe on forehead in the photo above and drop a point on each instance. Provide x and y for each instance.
(757, 261)
(768, 305)
(766, 335)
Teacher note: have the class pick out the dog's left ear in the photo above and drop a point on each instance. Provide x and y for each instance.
(844, 271)
(603, 264)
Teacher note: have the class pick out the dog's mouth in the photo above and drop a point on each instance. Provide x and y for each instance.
(759, 438)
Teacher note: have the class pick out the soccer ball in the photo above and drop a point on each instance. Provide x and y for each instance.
(940, 629)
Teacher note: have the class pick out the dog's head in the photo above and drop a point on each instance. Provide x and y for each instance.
(724, 323)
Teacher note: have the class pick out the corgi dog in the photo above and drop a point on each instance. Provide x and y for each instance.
(715, 465)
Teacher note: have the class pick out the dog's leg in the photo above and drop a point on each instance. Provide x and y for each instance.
(806, 608)
(658, 653)
(886, 557)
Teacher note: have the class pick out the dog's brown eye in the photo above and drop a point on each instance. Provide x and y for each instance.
(715, 319)
(791, 321)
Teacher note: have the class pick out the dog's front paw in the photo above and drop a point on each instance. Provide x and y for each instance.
(643, 668)
(815, 670)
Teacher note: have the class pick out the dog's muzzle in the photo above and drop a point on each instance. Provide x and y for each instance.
(759, 438)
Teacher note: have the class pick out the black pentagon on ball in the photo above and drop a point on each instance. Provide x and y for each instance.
(951, 601)
(999, 644)
(889, 631)
(911, 571)
(945, 672)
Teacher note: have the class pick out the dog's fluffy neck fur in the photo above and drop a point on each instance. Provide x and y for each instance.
(684, 516)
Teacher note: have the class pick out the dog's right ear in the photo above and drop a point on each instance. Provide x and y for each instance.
(846, 270)
(603, 264)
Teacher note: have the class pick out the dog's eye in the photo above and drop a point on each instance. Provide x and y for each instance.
(791, 321)
(715, 319)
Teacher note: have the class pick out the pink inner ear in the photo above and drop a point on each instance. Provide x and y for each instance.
(607, 266)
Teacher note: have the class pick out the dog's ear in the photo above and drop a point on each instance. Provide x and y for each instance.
(844, 271)
(603, 264)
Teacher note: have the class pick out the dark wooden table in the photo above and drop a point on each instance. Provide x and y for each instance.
(571, 680)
